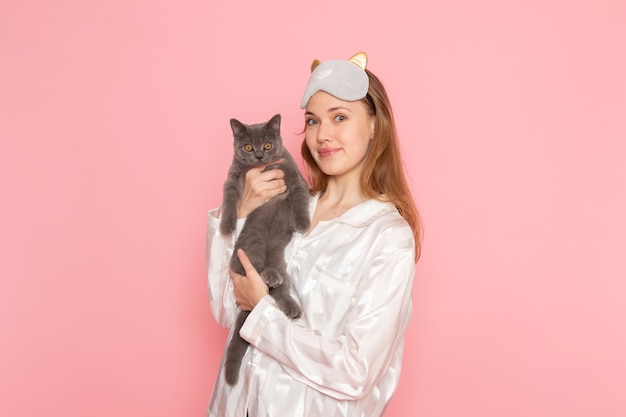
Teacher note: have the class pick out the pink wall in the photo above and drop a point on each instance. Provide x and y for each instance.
(115, 142)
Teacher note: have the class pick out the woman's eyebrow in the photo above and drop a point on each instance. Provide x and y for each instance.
(338, 108)
(332, 109)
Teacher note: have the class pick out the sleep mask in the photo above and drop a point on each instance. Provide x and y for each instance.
(344, 79)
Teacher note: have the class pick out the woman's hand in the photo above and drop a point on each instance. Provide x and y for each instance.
(260, 187)
(249, 288)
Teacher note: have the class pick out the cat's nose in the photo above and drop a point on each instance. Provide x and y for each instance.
(258, 155)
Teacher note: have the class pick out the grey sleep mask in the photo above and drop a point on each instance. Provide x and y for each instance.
(344, 79)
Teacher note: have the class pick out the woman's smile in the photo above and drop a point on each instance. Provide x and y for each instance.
(327, 152)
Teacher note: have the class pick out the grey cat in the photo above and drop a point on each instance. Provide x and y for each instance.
(269, 228)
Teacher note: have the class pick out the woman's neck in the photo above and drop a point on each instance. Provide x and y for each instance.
(338, 198)
(338, 195)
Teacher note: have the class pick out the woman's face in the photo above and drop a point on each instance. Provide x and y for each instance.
(338, 134)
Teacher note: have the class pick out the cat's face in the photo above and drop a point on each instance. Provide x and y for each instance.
(257, 144)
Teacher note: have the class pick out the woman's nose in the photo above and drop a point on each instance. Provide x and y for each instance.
(323, 132)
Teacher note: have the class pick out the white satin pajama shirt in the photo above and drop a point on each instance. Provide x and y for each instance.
(353, 276)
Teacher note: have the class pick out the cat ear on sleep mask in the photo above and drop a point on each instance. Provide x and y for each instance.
(344, 79)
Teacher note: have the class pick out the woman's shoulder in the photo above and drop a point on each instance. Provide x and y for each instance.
(380, 215)
(390, 235)
(390, 218)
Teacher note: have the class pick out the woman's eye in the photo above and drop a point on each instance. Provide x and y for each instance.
(267, 146)
(340, 118)
(247, 148)
(311, 122)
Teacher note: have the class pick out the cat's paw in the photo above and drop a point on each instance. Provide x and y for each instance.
(302, 223)
(228, 225)
(272, 277)
(291, 308)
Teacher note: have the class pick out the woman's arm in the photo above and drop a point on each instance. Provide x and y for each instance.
(350, 365)
(219, 249)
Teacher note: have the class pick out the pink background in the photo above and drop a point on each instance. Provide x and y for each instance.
(115, 141)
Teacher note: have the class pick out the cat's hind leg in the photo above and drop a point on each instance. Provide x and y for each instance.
(272, 277)
(286, 302)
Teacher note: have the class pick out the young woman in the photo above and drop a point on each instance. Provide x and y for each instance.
(352, 271)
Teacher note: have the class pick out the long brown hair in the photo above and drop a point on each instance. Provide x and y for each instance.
(383, 175)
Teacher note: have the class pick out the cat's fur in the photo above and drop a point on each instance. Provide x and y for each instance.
(269, 228)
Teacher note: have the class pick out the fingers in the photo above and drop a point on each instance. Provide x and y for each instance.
(248, 288)
(240, 298)
(266, 185)
(238, 285)
(245, 262)
(275, 187)
(258, 179)
(272, 175)
(261, 187)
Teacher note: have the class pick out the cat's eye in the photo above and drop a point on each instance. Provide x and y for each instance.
(247, 147)
(267, 146)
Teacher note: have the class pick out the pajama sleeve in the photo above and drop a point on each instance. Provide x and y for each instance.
(219, 250)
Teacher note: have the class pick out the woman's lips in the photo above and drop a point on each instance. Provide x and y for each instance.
(327, 152)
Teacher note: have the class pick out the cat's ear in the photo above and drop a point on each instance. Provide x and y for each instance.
(274, 124)
(237, 127)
